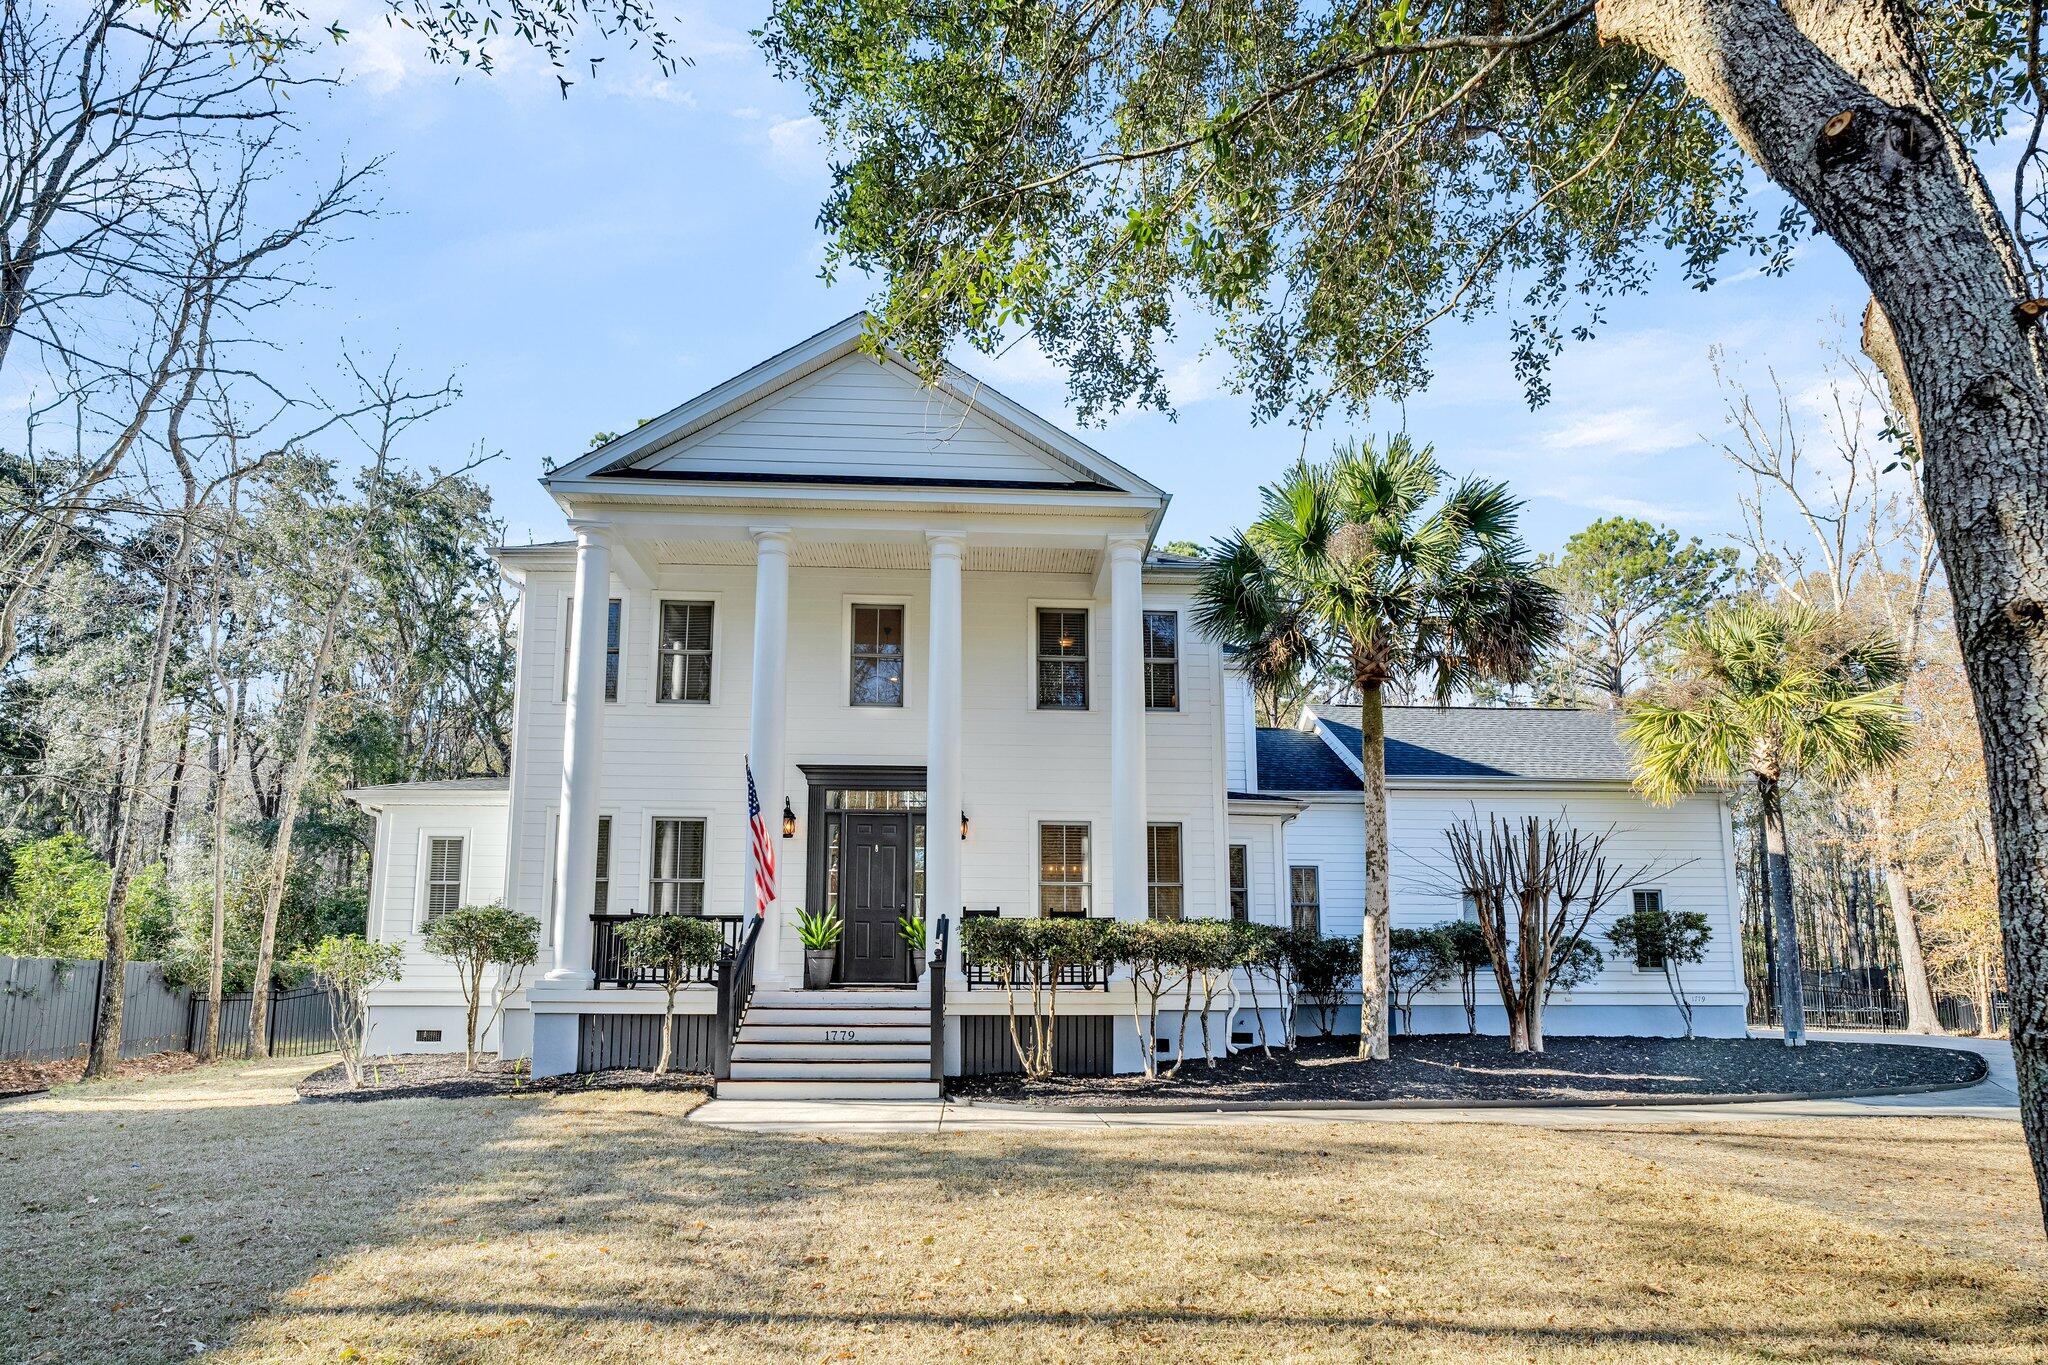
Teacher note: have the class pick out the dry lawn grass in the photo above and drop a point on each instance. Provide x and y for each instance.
(599, 1228)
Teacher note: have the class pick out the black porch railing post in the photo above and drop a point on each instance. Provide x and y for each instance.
(938, 975)
(733, 982)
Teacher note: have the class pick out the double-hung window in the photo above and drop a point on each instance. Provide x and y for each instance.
(1063, 658)
(684, 667)
(444, 876)
(675, 878)
(1240, 883)
(877, 665)
(601, 890)
(1305, 892)
(1648, 956)
(1162, 661)
(1164, 888)
(1062, 871)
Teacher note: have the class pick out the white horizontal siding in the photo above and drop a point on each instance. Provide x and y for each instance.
(1686, 842)
(859, 417)
(398, 884)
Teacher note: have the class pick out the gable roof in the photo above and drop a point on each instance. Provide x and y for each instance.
(1528, 743)
(891, 430)
(1300, 761)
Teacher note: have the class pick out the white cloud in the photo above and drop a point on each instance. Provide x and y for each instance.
(1640, 430)
(796, 148)
(745, 112)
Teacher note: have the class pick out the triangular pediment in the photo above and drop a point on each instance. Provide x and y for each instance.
(828, 411)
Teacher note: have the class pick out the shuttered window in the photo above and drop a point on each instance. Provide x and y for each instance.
(1162, 661)
(601, 892)
(877, 665)
(1305, 892)
(444, 877)
(1240, 883)
(1164, 889)
(1648, 959)
(1062, 659)
(685, 661)
(675, 881)
(1062, 870)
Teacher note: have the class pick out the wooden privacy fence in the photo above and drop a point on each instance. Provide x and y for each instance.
(46, 1010)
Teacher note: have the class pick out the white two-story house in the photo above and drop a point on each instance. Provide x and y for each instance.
(932, 626)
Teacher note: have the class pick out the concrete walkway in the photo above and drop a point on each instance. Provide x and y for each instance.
(1996, 1097)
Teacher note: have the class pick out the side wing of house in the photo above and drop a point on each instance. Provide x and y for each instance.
(1452, 764)
(437, 846)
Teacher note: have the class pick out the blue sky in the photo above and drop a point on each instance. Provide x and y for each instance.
(581, 264)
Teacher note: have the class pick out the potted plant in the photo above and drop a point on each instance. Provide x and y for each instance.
(819, 932)
(910, 928)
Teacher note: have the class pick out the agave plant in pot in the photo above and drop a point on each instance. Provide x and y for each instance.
(818, 931)
(910, 928)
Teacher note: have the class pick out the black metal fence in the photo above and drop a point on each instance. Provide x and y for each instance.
(302, 1022)
(1863, 999)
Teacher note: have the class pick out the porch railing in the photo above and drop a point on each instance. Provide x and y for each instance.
(1081, 976)
(610, 966)
(937, 970)
(734, 979)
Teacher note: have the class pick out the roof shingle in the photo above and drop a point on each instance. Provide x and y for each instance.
(1532, 743)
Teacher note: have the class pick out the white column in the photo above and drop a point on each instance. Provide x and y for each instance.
(943, 796)
(582, 755)
(1127, 728)
(765, 715)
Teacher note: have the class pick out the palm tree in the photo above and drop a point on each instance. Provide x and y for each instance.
(1350, 570)
(1765, 691)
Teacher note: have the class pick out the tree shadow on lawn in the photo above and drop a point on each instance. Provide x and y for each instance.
(601, 1224)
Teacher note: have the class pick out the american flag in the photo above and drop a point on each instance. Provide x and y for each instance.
(764, 848)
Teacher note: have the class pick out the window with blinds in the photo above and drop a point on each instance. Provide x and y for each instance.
(1305, 893)
(684, 665)
(877, 666)
(1062, 871)
(1648, 958)
(1164, 888)
(1240, 883)
(675, 876)
(1162, 661)
(601, 892)
(1062, 659)
(444, 877)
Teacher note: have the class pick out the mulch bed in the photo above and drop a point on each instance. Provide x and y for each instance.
(1457, 1069)
(30, 1078)
(439, 1076)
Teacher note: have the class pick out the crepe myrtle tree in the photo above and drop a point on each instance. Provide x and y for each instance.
(1328, 182)
(1469, 957)
(484, 941)
(1369, 568)
(671, 945)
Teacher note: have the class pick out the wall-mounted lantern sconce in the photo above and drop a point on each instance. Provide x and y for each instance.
(963, 826)
(788, 820)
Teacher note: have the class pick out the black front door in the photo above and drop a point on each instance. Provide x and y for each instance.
(874, 890)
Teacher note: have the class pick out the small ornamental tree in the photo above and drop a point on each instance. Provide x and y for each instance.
(1146, 948)
(1258, 952)
(353, 966)
(1204, 951)
(1669, 938)
(477, 939)
(1027, 956)
(1468, 958)
(1322, 969)
(1418, 960)
(1575, 963)
(670, 944)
